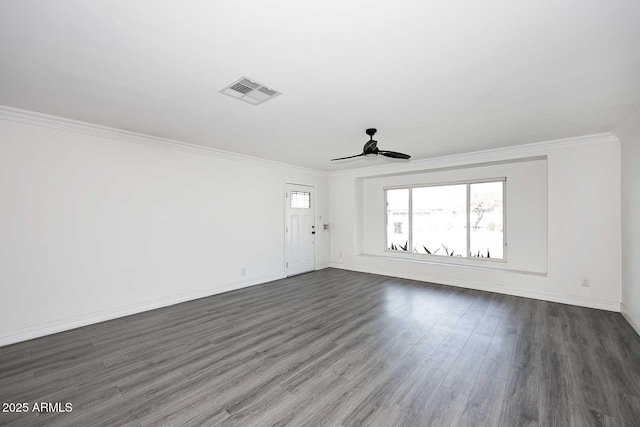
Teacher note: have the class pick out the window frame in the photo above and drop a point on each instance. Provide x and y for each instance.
(467, 184)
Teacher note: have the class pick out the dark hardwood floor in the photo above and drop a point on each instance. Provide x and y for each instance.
(336, 348)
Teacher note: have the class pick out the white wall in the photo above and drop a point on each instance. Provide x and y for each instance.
(629, 134)
(583, 221)
(95, 227)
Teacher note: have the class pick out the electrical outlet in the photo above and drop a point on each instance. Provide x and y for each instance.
(340, 255)
(243, 271)
(585, 282)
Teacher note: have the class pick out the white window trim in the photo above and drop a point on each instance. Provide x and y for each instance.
(440, 258)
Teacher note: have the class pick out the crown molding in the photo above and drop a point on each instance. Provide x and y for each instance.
(76, 126)
(510, 153)
(496, 154)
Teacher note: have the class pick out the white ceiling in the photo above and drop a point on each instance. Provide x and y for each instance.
(435, 77)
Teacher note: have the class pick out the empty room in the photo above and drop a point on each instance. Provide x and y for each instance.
(338, 213)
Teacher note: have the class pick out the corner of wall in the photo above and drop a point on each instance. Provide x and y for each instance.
(628, 133)
(633, 321)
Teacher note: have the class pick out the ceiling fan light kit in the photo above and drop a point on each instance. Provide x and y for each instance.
(370, 149)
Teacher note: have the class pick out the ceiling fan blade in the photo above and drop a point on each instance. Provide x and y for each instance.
(394, 154)
(350, 157)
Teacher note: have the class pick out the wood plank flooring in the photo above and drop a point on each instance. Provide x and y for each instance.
(336, 348)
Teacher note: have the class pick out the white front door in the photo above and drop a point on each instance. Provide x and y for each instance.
(300, 229)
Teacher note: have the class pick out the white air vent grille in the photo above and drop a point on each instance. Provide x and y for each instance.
(250, 83)
(239, 87)
(249, 91)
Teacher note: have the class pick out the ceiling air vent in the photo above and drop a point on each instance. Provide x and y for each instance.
(249, 91)
(239, 87)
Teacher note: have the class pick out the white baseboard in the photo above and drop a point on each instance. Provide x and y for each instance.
(633, 321)
(563, 299)
(62, 325)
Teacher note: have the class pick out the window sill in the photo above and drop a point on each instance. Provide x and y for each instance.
(441, 259)
(498, 265)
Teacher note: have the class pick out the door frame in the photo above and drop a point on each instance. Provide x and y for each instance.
(286, 202)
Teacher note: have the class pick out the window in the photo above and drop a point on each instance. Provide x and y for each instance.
(486, 220)
(458, 220)
(440, 220)
(300, 200)
(397, 218)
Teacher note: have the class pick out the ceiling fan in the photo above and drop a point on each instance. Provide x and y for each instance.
(371, 149)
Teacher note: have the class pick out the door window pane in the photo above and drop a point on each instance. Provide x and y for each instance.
(440, 220)
(300, 200)
(398, 219)
(487, 220)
